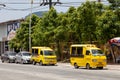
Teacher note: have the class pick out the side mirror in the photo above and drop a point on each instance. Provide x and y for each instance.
(88, 53)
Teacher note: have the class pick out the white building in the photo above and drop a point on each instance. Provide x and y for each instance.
(7, 32)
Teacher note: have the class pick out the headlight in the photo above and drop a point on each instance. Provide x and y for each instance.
(94, 60)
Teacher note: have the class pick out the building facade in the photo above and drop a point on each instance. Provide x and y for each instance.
(7, 32)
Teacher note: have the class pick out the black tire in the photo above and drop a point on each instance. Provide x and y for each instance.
(53, 64)
(2, 61)
(33, 62)
(76, 66)
(118, 61)
(16, 62)
(22, 62)
(8, 60)
(100, 67)
(88, 66)
(41, 63)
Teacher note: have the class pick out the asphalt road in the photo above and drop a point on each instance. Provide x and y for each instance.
(12, 71)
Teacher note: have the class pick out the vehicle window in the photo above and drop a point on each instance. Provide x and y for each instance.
(33, 53)
(73, 51)
(36, 52)
(19, 54)
(47, 52)
(79, 50)
(12, 54)
(87, 52)
(97, 52)
(26, 54)
(6, 54)
(41, 52)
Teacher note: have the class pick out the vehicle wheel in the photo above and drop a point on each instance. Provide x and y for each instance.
(53, 64)
(33, 62)
(40, 63)
(8, 61)
(118, 61)
(100, 67)
(2, 61)
(88, 66)
(22, 62)
(76, 66)
(16, 61)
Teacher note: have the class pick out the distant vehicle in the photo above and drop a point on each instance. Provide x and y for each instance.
(23, 57)
(118, 59)
(43, 56)
(8, 56)
(87, 55)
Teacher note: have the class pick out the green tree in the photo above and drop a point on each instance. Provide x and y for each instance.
(114, 3)
(44, 30)
(22, 34)
(88, 14)
(108, 26)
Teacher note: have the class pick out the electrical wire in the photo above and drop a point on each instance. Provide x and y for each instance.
(65, 4)
(10, 8)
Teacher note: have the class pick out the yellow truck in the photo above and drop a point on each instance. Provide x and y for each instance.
(43, 56)
(87, 55)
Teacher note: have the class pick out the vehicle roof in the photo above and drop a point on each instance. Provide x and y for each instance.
(83, 45)
(9, 52)
(43, 48)
(88, 46)
(24, 52)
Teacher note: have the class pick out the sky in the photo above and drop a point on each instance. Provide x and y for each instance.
(18, 9)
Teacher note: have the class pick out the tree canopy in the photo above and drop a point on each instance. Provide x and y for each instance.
(91, 21)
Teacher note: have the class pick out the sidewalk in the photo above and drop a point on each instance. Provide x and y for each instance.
(113, 66)
(109, 66)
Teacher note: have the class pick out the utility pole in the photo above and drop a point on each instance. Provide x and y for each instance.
(50, 3)
(30, 26)
(99, 0)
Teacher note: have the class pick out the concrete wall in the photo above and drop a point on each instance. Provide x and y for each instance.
(3, 31)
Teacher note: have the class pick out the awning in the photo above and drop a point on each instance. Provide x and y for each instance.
(114, 40)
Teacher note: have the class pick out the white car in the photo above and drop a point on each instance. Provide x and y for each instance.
(23, 57)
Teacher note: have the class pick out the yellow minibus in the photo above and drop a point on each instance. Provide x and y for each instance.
(87, 55)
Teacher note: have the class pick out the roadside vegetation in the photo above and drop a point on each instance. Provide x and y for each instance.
(91, 22)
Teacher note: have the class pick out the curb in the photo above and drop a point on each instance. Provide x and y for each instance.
(109, 67)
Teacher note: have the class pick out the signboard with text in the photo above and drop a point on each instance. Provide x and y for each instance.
(11, 30)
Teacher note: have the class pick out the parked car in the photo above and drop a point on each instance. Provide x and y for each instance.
(23, 57)
(8, 56)
(118, 59)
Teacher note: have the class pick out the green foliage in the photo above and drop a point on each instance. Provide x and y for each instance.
(114, 4)
(108, 26)
(91, 21)
(21, 39)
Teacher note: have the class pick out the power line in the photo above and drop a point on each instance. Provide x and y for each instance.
(13, 9)
(57, 3)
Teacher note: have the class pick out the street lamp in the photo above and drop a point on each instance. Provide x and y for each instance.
(30, 26)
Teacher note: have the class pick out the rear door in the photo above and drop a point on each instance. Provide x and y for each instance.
(73, 55)
(80, 56)
(87, 57)
(36, 55)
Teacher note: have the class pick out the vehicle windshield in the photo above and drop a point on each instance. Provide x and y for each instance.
(48, 52)
(26, 54)
(12, 54)
(97, 52)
